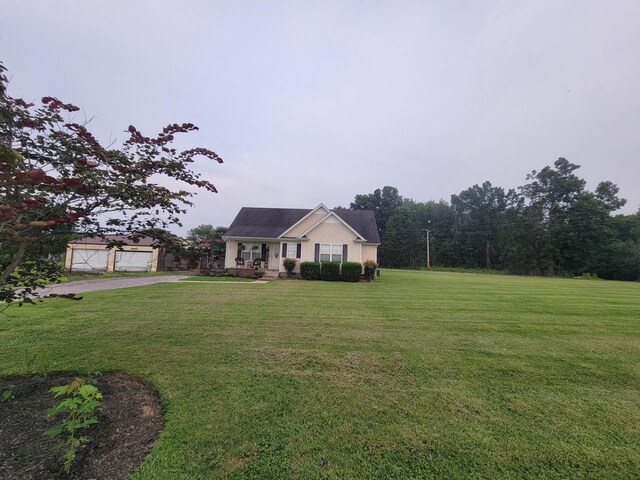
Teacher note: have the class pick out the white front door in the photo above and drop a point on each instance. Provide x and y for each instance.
(274, 256)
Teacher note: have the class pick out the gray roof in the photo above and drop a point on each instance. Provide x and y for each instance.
(362, 221)
(264, 222)
(252, 222)
(142, 241)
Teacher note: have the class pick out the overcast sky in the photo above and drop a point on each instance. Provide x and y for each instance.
(313, 102)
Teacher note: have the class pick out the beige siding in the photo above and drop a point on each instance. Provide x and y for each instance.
(306, 224)
(369, 252)
(331, 233)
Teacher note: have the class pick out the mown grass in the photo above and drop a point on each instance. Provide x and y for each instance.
(218, 279)
(418, 375)
(78, 276)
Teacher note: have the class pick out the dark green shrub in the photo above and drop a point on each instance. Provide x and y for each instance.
(310, 270)
(330, 271)
(351, 271)
(289, 264)
(370, 268)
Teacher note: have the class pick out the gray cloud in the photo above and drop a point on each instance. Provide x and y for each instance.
(316, 102)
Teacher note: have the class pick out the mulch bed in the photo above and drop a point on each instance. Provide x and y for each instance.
(130, 422)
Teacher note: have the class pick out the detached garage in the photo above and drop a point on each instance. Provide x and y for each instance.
(90, 254)
(89, 260)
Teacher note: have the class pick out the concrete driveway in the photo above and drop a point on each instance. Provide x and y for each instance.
(84, 286)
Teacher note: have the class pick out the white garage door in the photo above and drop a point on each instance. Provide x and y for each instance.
(133, 261)
(86, 260)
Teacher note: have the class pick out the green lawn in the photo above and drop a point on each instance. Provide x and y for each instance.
(420, 375)
(218, 279)
(76, 276)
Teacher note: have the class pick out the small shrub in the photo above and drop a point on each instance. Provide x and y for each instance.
(310, 270)
(7, 394)
(589, 276)
(330, 271)
(289, 265)
(80, 409)
(351, 271)
(370, 268)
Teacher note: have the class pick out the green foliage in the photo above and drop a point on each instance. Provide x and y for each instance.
(310, 270)
(351, 271)
(289, 264)
(370, 268)
(383, 203)
(79, 410)
(330, 271)
(7, 394)
(552, 225)
(206, 233)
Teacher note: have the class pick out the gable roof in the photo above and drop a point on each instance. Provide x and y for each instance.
(309, 213)
(255, 222)
(362, 221)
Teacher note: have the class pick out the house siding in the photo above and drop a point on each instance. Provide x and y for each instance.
(331, 233)
(306, 224)
(369, 252)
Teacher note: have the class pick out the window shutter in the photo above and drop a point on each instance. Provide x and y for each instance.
(239, 251)
(264, 252)
(317, 255)
(284, 250)
(298, 250)
(345, 247)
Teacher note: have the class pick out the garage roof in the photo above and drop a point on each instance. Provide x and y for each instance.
(142, 241)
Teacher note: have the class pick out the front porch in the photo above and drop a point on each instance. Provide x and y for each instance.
(248, 257)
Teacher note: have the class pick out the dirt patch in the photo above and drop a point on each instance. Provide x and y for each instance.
(129, 424)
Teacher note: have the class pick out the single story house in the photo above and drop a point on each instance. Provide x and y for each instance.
(263, 237)
(90, 254)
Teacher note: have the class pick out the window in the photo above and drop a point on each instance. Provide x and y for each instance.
(292, 250)
(330, 252)
(251, 251)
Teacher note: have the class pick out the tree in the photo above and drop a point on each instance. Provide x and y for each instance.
(56, 176)
(480, 213)
(207, 244)
(383, 203)
(206, 233)
(570, 220)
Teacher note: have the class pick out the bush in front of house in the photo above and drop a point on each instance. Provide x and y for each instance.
(289, 265)
(351, 271)
(310, 270)
(370, 268)
(330, 271)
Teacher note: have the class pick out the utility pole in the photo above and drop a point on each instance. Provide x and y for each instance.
(428, 258)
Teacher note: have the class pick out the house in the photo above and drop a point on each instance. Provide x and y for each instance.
(90, 254)
(262, 237)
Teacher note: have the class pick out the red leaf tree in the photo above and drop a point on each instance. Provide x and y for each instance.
(54, 174)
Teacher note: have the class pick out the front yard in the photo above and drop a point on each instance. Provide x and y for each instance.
(419, 375)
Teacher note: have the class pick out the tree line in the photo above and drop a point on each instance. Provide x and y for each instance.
(552, 225)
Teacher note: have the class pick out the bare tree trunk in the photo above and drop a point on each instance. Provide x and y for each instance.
(488, 256)
(17, 258)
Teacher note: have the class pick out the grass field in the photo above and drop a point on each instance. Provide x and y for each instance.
(218, 279)
(77, 276)
(419, 375)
